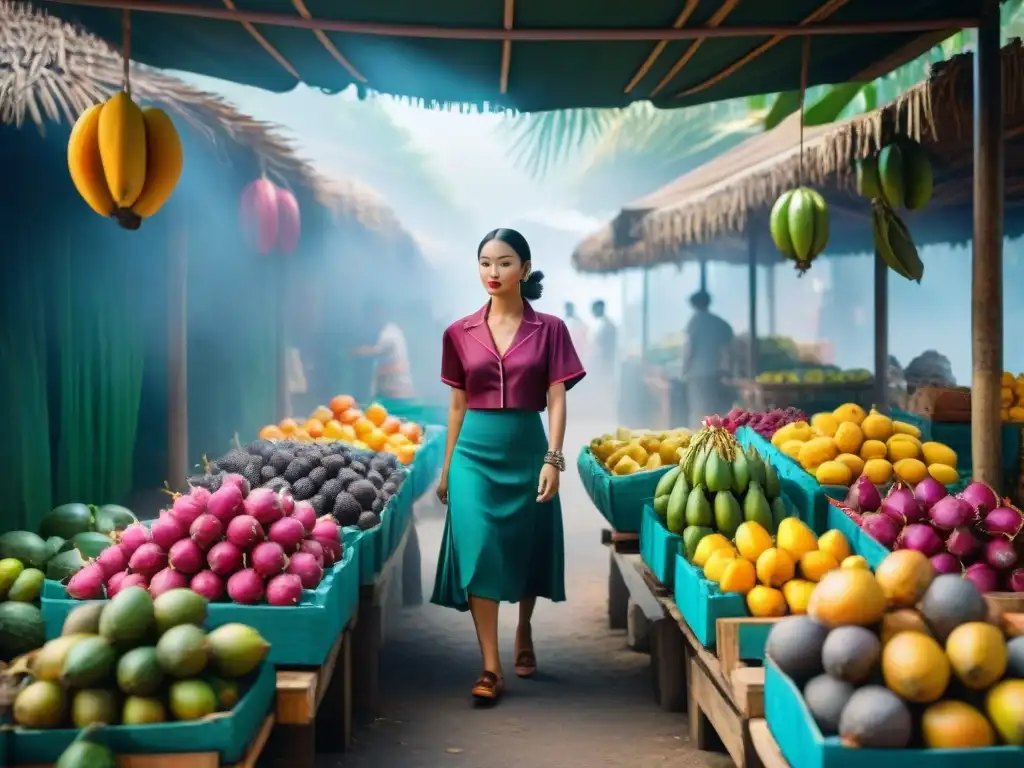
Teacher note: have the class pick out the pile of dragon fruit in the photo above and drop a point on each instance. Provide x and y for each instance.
(974, 533)
(765, 423)
(249, 546)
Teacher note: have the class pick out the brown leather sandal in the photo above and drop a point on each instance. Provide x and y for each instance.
(526, 663)
(488, 687)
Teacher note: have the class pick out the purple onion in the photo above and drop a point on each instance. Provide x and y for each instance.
(881, 528)
(983, 576)
(864, 496)
(929, 491)
(1015, 581)
(921, 537)
(1006, 521)
(946, 563)
(901, 506)
(1000, 554)
(962, 542)
(980, 496)
(950, 513)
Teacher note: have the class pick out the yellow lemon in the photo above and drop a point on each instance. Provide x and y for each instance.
(833, 473)
(798, 594)
(853, 462)
(849, 412)
(751, 540)
(775, 567)
(792, 448)
(815, 564)
(878, 471)
(706, 546)
(901, 447)
(903, 428)
(938, 453)
(826, 423)
(872, 449)
(877, 426)
(855, 561)
(835, 544)
(766, 602)
(944, 474)
(795, 537)
(739, 576)
(848, 437)
(911, 471)
(715, 566)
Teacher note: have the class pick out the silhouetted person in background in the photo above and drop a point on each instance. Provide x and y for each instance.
(577, 330)
(392, 376)
(604, 354)
(706, 360)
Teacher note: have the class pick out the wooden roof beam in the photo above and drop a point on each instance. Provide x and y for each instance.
(506, 44)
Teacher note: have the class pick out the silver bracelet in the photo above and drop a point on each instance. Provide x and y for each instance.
(555, 459)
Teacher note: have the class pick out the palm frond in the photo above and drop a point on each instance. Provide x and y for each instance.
(541, 141)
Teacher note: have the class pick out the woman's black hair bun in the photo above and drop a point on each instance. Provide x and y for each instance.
(532, 287)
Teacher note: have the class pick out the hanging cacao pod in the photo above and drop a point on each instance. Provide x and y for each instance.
(259, 215)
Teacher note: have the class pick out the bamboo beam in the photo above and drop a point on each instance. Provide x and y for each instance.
(987, 277)
(881, 331)
(506, 45)
(568, 35)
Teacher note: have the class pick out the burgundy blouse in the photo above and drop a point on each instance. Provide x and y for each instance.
(540, 355)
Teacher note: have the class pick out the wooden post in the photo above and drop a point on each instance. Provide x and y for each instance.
(752, 300)
(770, 295)
(177, 356)
(280, 271)
(987, 277)
(703, 274)
(881, 335)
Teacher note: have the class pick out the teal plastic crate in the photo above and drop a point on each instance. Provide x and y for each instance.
(429, 458)
(300, 636)
(803, 745)
(229, 734)
(659, 547)
(620, 500)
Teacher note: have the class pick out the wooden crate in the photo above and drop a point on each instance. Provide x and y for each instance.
(767, 750)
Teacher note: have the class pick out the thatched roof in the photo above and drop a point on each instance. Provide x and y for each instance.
(706, 213)
(51, 72)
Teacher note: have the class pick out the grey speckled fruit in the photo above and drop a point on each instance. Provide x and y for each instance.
(950, 601)
(795, 644)
(851, 653)
(875, 718)
(826, 698)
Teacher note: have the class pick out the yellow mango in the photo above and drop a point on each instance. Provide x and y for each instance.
(627, 465)
(849, 412)
(615, 456)
(751, 540)
(873, 449)
(825, 423)
(878, 471)
(835, 543)
(795, 537)
(792, 448)
(775, 567)
(765, 602)
(604, 448)
(877, 426)
(1006, 397)
(667, 450)
(938, 453)
(942, 473)
(817, 451)
(855, 561)
(707, 545)
(717, 561)
(815, 564)
(798, 430)
(1016, 413)
(901, 447)
(653, 461)
(849, 437)
(797, 594)
(833, 473)
(853, 462)
(904, 428)
(1008, 379)
(911, 471)
(738, 576)
(636, 452)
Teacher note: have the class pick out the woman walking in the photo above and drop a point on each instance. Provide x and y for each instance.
(503, 541)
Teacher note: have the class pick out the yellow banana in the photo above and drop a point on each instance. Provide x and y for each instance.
(163, 162)
(903, 247)
(122, 142)
(84, 162)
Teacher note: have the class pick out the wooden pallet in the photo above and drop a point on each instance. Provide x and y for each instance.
(767, 750)
(195, 759)
(747, 681)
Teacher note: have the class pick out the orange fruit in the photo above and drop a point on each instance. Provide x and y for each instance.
(363, 426)
(332, 429)
(376, 439)
(398, 439)
(348, 434)
(391, 425)
(323, 414)
(271, 432)
(406, 454)
(376, 413)
(288, 426)
(350, 416)
(314, 427)
(341, 403)
(412, 430)
(301, 435)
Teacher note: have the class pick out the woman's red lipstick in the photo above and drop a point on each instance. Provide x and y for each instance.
(493, 284)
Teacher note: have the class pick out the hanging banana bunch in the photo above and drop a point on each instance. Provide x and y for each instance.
(899, 176)
(799, 226)
(124, 161)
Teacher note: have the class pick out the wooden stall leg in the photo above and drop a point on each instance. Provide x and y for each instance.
(366, 658)
(638, 630)
(618, 595)
(702, 731)
(669, 660)
(334, 717)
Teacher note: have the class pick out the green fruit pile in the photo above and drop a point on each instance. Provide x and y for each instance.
(716, 487)
(799, 226)
(136, 660)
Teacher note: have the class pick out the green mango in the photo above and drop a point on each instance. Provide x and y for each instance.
(772, 486)
(718, 473)
(740, 473)
(661, 505)
(728, 514)
(691, 538)
(697, 471)
(675, 513)
(698, 510)
(779, 511)
(756, 508)
(664, 487)
(756, 465)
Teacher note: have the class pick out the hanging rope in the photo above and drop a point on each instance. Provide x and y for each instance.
(126, 51)
(804, 61)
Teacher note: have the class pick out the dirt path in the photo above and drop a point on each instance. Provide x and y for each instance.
(590, 705)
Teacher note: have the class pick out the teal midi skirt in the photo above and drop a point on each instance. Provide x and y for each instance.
(499, 542)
